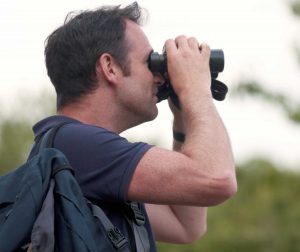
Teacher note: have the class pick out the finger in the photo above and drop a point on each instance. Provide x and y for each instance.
(193, 43)
(170, 46)
(181, 41)
(204, 49)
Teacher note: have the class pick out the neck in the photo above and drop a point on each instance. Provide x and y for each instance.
(93, 111)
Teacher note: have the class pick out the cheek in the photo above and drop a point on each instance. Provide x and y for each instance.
(148, 80)
(141, 83)
(149, 74)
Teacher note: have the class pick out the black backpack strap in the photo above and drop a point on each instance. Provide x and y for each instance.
(138, 234)
(135, 221)
(46, 141)
(117, 239)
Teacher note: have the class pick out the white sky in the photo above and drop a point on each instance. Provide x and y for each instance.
(256, 35)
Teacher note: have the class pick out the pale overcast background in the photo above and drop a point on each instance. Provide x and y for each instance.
(257, 37)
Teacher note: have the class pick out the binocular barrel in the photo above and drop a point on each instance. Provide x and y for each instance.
(158, 62)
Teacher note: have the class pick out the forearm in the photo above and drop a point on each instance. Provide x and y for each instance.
(206, 140)
(207, 145)
(177, 224)
(192, 219)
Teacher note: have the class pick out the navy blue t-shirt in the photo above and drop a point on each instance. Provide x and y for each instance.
(103, 161)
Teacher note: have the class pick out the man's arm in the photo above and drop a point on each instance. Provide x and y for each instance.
(175, 223)
(201, 173)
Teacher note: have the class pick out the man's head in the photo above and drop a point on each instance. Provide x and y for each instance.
(72, 50)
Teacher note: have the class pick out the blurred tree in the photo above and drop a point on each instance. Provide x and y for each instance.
(15, 141)
(295, 7)
(16, 135)
(253, 88)
(290, 108)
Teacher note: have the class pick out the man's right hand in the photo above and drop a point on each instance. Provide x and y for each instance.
(188, 68)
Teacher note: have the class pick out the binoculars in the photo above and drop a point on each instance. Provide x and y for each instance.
(158, 64)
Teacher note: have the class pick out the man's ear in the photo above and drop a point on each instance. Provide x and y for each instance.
(107, 66)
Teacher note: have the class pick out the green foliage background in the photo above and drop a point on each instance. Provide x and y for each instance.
(264, 216)
(16, 135)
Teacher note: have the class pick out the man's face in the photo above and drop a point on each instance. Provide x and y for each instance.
(139, 88)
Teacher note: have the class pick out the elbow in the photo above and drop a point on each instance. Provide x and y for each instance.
(228, 188)
(223, 189)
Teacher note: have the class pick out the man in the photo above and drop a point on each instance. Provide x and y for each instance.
(98, 64)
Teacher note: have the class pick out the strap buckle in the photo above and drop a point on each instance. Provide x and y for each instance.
(137, 213)
(116, 237)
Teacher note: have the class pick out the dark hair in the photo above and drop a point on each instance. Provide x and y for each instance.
(72, 50)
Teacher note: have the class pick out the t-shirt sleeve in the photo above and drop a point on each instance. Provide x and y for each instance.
(103, 161)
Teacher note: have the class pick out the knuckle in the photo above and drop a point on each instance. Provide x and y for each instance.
(205, 47)
(182, 36)
(193, 39)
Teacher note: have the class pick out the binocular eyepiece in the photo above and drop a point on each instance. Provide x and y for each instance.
(158, 64)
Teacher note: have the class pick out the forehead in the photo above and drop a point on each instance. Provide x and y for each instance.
(137, 39)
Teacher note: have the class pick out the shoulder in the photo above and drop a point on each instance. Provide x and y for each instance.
(86, 131)
(101, 159)
(78, 134)
(99, 145)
